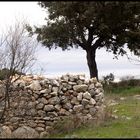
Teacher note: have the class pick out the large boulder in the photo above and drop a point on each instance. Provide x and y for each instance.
(5, 132)
(25, 132)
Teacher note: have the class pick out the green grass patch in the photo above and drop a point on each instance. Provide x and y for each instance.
(126, 87)
(127, 125)
(123, 91)
(127, 90)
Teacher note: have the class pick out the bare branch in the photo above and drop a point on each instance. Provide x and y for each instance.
(17, 54)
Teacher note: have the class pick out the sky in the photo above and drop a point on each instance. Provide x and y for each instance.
(57, 62)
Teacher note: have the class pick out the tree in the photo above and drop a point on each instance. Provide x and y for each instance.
(108, 78)
(91, 25)
(17, 56)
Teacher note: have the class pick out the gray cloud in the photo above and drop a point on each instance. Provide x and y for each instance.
(57, 62)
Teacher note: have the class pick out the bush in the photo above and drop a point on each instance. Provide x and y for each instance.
(108, 78)
(121, 86)
(66, 125)
(127, 84)
(4, 72)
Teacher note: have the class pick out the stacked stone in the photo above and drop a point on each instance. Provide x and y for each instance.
(41, 102)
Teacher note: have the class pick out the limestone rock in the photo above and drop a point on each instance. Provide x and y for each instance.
(43, 100)
(82, 77)
(25, 132)
(92, 111)
(41, 113)
(31, 105)
(65, 77)
(97, 91)
(31, 123)
(55, 83)
(45, 91)
(54, 100)
(55, 89)
(87, 95)
(49, 108)
(14, 119)
(91, 86)
(67, 106)
(78, 108)
(80, 96)
(80, 88)
(35, 85)
(39, 129)
(47, 118)
(63, 112)
(5, 132)
(63, 99)
(40, 106)
(74, 101)
(72, 83)
(52, 114)
(93, 80)
(92, 101)
(54, 93)
(44, 81)
(80, 82)
(98, 85)
(88, 106)
(99, 96)
(85, 102)
(19, 83)
(32, 112)
(92, 92)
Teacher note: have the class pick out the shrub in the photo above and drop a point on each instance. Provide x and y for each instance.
(108, 78)
(66, 125)
(4, 72)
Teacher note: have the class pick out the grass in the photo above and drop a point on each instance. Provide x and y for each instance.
(128, 90)
(127, 125)
(125, 87)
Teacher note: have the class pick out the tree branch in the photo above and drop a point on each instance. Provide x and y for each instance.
(98, 43)
(81, 44)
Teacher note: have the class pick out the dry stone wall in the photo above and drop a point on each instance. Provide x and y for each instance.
(37, 102)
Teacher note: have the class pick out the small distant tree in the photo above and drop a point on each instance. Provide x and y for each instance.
(108, 78)
(17, 55)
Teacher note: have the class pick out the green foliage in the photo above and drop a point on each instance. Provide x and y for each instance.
(130, 86)
(126, 91)
(108, 78)
(107, 24)
(5, 72)
(91, 25)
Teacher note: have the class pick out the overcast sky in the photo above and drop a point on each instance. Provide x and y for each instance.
(58, 62)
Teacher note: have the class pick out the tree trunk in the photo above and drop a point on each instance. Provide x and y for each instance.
(92, 63)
